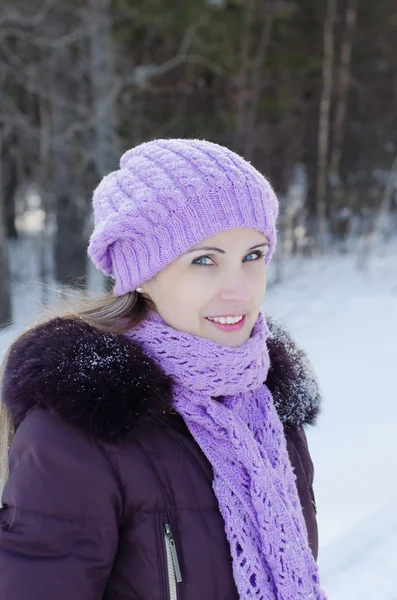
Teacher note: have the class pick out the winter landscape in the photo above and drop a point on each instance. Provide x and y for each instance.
(304, 90)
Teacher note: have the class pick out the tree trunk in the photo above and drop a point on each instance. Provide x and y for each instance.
(5, 283)
(10, 180)
(343, 87)
(324, 121)
(70, 242)
(45, 243)
(243, 76)
(251, 136)
(102, 62)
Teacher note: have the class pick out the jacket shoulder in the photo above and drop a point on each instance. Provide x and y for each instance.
(84, 488)
(291, 379)
(103, 383)
(98, 382)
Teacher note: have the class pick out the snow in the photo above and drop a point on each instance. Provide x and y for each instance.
(346, 320)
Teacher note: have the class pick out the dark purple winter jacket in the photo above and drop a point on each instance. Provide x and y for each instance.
(109, 497)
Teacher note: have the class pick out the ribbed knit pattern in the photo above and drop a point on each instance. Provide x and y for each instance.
(167, 196)
(221, 394)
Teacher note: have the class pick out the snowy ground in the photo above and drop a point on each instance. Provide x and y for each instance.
(346, 320)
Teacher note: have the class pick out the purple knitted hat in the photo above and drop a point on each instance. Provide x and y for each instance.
(169, 195)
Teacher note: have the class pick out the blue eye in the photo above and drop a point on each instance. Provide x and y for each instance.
(258, 254)
(200, 264)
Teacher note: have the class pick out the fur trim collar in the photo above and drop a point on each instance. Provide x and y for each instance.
(102, 384)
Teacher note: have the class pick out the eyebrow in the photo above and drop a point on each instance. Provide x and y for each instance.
(210, 249)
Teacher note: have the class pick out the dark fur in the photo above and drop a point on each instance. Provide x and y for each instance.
(102, 383)
(291, 379)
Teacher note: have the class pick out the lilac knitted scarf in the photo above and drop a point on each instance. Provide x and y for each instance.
(220, 393)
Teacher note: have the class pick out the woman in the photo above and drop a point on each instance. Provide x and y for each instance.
(159, 448)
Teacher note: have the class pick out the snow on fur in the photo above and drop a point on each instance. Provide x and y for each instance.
(103, 384)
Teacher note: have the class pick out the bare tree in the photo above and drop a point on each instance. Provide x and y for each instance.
(10, 182)
(251, 76)
(102, 75)
(242, 77)
(324, 122)
(68, 205)
(342, 87)
(5, 284)
(257, 71)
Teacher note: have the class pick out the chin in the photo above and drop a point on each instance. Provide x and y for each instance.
(233, 341)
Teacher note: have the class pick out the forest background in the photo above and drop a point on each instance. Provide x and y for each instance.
(306, 90)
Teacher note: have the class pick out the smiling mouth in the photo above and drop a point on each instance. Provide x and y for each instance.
(225, 326)
(227, 318)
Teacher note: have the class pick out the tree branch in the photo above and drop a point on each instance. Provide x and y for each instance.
(13, 16)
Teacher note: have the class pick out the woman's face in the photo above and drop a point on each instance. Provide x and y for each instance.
(222, 276)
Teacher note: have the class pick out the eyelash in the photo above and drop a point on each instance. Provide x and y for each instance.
(258, 252)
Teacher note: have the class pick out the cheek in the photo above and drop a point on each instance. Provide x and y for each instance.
(191, 295)
(192, 304)
(259, 284)
(182, 303)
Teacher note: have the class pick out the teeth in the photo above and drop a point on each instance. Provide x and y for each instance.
(226, 320)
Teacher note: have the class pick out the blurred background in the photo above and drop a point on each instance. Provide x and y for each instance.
(307, 91)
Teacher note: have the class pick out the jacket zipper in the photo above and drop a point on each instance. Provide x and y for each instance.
(173, 567)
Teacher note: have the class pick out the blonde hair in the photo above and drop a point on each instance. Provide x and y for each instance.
(110, 314)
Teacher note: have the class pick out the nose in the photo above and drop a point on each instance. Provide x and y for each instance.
(236, 290)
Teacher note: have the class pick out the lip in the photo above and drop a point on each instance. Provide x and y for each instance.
(232, 326)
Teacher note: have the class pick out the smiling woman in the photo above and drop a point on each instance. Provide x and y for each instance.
(228, 284)
(160, 449)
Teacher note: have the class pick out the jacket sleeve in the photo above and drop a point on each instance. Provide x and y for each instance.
(60, 514)
(302, 464)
